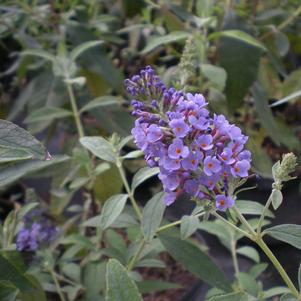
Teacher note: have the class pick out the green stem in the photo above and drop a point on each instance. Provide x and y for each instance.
(278, 266)
(244, 222)
(57, 285)
(178, 222)
(76, 114)
(232, 225)
(266, 207)
(136, 256)
(234, 256)
(259, 241)
(128, 189)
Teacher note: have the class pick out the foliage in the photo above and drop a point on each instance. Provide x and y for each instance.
(62, 72)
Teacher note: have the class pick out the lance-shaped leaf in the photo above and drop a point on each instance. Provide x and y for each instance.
(288, 233)
(100, 147)
(229, 297)
(18, 139)
(120, 287)
(196, 261)
(80, 49)
(152, 216)
(47, 113)
(101, 101)
(142, 175)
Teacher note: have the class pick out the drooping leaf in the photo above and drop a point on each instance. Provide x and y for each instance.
(248, 283)
(286, 99)
(112, 209)
(151, 263)
(196, 261)
(275, 291)
(258, 269)
(101, 101)
(279, 134)
(163, 40)
(240, 60)
(288, 233)
(229, 297)
(120, 287)
(12, 173)
(288, 297)
(100, 147)
(189, 224)
(216, 75)
(142, 175)
(249, 252)
(80, 49)
(47, 113)
(153, 286)
(9, 272)
(238, 35)
(8, 292)
(40, 53)
(14, 137)
(299, 276)
(152, 216)
(252, 208)
(8, 154)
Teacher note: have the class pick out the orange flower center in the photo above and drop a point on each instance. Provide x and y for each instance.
(178, 151)
(193, 161)
(210, 165)
(236, 169)
(178, 129)
(222, 202)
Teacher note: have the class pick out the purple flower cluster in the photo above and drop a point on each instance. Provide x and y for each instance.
(196, 153)
(33, 234)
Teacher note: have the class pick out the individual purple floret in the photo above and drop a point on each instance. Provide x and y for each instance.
(33, 234)
(196, 153)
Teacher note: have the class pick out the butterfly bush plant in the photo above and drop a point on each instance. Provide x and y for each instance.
(95, 252)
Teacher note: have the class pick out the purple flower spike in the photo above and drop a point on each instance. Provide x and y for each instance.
(179, 127)
(177, 150)
(205, 142)
(154, 133)
(240, 168)
(211, 166)
(199, 99)
(223, 203)
(171, 164)
(192, 187)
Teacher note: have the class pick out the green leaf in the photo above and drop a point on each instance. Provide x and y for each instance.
(163, 40)
(288, 233)
(142, 175)
(299, 276)
(240, 61)
(12, 173)
(238, 35)
(8, 292)
(80, 49)
(249, 252)
(288, 297)
(17, 139)
(258, 269)
(77, 239)
(248, 283)
(133, 155)
(153, 286)
(9, 272)
(100, 147)
(196, 261)
(189, 224)
(120, 287)
(150, 263)
(277, 198)
(40, 53)
(216, 75)
(229, 297)
(252, 208)
(280, 134)
(124, 220)
(47, 113)
(152, 216)
(101, 101)
(275, 291)
(8, 154)
(286, 99)
(112, 209)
